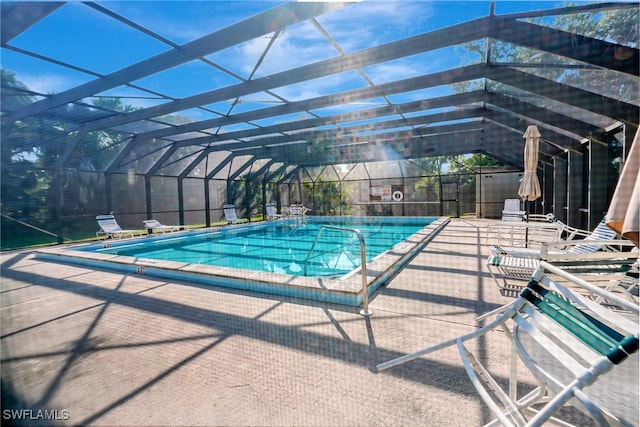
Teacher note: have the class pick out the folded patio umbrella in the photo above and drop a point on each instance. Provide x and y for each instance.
(624, 211)
(529, 186)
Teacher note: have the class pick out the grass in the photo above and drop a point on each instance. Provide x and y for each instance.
(17, 236)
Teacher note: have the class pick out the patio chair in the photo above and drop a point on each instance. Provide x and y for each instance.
(609, 265)
(566, 341)
(298, 210)
(511, 210)
(589, 241)
(523, 234)
(271, 212)
(231, 216)
(542, 217)
(109, 227)
(152, 225)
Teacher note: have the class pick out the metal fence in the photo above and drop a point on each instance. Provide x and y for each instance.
(68, 209)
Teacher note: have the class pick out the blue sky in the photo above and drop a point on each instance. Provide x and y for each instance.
(86, 38)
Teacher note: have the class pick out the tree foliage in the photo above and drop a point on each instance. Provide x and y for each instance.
(23, 182)
(328, 197)
(49, 168)
(619, 25)
(247, 192)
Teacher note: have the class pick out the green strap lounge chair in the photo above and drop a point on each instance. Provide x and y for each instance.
(567, 342)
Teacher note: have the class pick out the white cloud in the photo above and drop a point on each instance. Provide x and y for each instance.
(321, 86)
(303, 44)
(354, 26)
(387, 72)
(299, 45)
(47, 83)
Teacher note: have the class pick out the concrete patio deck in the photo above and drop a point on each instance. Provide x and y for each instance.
(102, 348)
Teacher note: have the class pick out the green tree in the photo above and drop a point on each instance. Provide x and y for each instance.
(52, 171)
(75, 164)
(328, 197)
(472, 163)
(49, 170)
(620, 25)
(23, 182)
(428, 187)
(247, 192)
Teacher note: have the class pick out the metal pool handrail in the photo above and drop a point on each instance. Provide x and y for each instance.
(363, 262)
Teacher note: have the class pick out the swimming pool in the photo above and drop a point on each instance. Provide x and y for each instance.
(284, 257)
(284, 247)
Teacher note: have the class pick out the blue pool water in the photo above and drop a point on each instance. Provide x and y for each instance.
(279, 246)
(268, 257)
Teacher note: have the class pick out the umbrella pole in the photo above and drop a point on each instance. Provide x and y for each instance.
(526, 229)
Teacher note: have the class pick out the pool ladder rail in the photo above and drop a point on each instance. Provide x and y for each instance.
(363, 262)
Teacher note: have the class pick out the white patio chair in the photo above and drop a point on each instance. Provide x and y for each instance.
(109, 227)
(298, 210)
(512, 211)
(271, 212)
(566, 341)
(231, 216)
(589, 241)
(610, 265)
(155, 226)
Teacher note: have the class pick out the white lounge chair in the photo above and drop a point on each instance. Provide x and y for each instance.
(109, 227)
(155, 226)
(522, 234)
(230, 214)
(511, 210)
(602, 266)
(298, 210)
(589, 241)
(271, 212)
(566, 341)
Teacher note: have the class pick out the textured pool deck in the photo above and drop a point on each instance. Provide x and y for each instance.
(105, 348)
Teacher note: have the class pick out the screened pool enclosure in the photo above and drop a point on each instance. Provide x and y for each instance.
(398, 109)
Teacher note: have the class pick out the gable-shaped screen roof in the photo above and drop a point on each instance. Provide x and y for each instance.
(183, 88)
